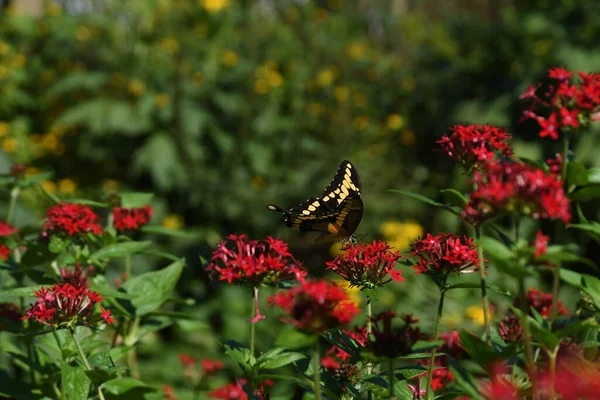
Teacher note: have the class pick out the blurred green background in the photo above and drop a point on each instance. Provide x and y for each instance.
(220, 107)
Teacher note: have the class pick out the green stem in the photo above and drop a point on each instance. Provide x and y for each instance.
(369, 366)
(435, 337)
(316, 366)
(84, 358)
(110, 220)
(526, 334)
(127, 267)
(252, 328)
(14, 195)
(131, 340)
(484, 298)
(391, 377)
(552, 366)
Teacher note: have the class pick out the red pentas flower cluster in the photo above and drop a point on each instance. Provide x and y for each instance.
(237, 391)
(70, 219)
(241, 260)
(316, 306)
(6, 230)
(336, 356)
(510, 329)
(66, 304)
(564, 105)
(511, 186)
(387, 341)
(500, 386)
(476, 145)
(445, 254)
(78, 276)
(367, 266)
(542, 303)
(442, 376)
(130, 219)
(575, 378)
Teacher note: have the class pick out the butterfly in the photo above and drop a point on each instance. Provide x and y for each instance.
(338, 211)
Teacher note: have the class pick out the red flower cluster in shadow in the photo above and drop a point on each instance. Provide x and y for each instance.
(66, 304)
(442, 376)
(241, 260)
(511, 186)
(476, 145)
(542, 303)
(237, 391)
(367, 265)
(70, 219)
(78, 276)
(131, 219)
(510, 329)
(500, 386)
(569, 105)
(316, 306)
(336, 356)
(390, 342)
(445, 254)
(7, 229)
(575, 378)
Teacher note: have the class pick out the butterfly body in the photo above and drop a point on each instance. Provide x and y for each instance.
(337, 211)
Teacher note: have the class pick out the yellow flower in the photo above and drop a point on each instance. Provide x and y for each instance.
(360, 99)
(53, 9)
(31, 171)
(3, 72)
(409, 83)
(261, 86)
(335, 249)
(400, 235)
(49, 142)
(67, 186)
(162, 100)
(83, 34)
(4, 128)
(258, 182)
(407, 138)
(136, 87)
(4, 48)
(475, 313)
(9, 145)
(275, 79)
(316, 109)
(18, 61)
(453, 320)
(169, 44)
(214, 6)
(57, 130)
(356, 51)
(197, 78)
(341, 93)
(172, 221)
(110, 185)
(353, 292)
(49, 186)
(395, 122)
(229, 58)
(327, 76)
(361, 122)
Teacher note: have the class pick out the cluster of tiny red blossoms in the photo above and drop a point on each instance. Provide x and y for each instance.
(542, 303)
(336, 357)
(130, 219)
(569, 105)
(476, 145)
(237, 391)
(511, 186)
(445, 254)
(5, 231)
(241, 260)
(367, 265)
(316, 306)
(70, 219)
(78, 276)
(66, 304)
(451, 350)
(387, 341)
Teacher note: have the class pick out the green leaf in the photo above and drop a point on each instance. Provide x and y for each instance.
(150, 290)
(295, 339)
(276, 358)
(475, 285)
(574, 328)
(587, 193)
(49, 195)
(130, 386)
(542, 334)
(422, 345)
(90, 203)
(117, 250)
(593, 228)
(103, 368)
(159, 230)
(58, 244)
(75, 382)
(240, 354)
(424, 199)
(26, 291)
(35, 179)
(576, 174)
(479, 350)
(593, 175)
(557, 254)
(454, 197)
(135, 199)
(502, 257)
(572, 278)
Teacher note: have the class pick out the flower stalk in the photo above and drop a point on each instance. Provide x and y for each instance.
(316, 366)
(435, 337)
(84, 358)
(484, 298)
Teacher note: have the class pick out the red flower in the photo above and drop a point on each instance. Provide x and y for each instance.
(444, 254)
(542, 303)
(555, 164)
(549, 126)
(241, 260)
(510, 329)
(186, 360)
(5, 252)
(367, 265)
(316, 306)
(129, 219)
(393, 342)
(569, 118)
(210, 366)
(65, 304)
(474, 145)
(70, 219)
(541, 244)
(7, 229)
(442, 376)
(235, 391)
(169, 395)
(500, 386)
(513, 186)
(336, 356)
(575, 379)
(77, 276)
(559, 73)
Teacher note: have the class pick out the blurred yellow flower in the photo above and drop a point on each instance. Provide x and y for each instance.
(57, 130)
(4, 128)
(169, 44)
(110, 185)
(18, 61)
(395, 122)
(475, 313)
(353, 292)
(407, 138)
(341, 93)
(4, 48)
(360, 99)
(214, 6)
(409, 83)
(9, 145)
(136, 87)
(229, 58)
(261, 86)
(197, 78)
(67, 186)
(275, 79)
(316, 109)
(321, 14)
(453, 320)
(327, 76)
(162, 100)
(335, 248)
(31, 171)
(400, 235)
(258, 182)
(83, 34)
(49, 186)
(49, 142)
(356, 51)
(172, 221)
(3, 71)
(361, 122)
(53, 9)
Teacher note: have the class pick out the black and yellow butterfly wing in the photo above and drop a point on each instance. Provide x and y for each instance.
(338, 210)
